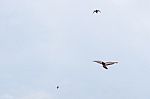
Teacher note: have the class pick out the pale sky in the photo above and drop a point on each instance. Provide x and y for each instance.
(45, 43)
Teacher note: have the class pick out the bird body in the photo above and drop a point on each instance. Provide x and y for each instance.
(105, 64)
(57, 87)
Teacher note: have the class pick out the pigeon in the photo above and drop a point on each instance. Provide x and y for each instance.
(105, 64)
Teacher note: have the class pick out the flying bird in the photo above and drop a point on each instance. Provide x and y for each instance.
(96, 11)
(57, 87)
(105, 64)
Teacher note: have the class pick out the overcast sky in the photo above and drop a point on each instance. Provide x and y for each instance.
(45, 43)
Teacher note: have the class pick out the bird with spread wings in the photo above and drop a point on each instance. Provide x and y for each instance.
(105, 64)
(96, 11)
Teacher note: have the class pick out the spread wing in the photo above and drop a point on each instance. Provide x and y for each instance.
(100, 62)
(110, 63)
(99, 11)
(94, 11)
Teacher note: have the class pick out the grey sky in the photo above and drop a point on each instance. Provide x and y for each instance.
(45, 43)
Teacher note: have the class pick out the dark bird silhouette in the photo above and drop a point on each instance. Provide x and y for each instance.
(57, 87)
(96, 11)
(105, 64)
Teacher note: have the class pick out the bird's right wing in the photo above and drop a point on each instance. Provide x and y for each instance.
(99, 11)
(110, 63)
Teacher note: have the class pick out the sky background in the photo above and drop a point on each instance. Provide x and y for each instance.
(45, 43)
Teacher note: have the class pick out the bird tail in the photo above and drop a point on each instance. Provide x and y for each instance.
(105, 67)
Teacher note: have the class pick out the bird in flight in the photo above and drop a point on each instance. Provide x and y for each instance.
(105, 64)
(96, 11)
(57, 87)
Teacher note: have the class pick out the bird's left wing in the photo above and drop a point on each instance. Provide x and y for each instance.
(94, 11)
(100, 62)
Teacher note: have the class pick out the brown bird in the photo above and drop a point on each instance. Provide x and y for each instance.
(96, 11)
(105, 64)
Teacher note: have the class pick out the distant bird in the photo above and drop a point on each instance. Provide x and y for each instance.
(57, 87)
(96, 11)
(105, 64)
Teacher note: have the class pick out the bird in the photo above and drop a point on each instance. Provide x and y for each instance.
(105, 64)
(96, 11)
(57, 87)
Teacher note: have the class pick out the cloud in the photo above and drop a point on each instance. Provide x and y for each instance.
(6, 96)
(122, 2)
(37, 95)
(28, 95)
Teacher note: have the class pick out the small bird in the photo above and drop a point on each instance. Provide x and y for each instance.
(57, 87)
(105, 64)
(96, 11)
